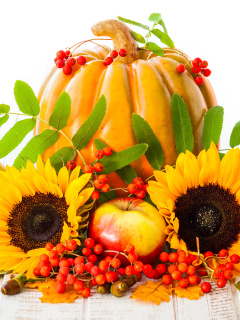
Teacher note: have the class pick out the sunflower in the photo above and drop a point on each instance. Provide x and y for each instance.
(200, 197)
(38, 206)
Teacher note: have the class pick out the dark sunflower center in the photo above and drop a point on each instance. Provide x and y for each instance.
(210, 213)
(42, 223)
(205, 220)
(37, 220)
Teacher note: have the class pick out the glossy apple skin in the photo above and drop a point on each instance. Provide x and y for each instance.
(123, 221)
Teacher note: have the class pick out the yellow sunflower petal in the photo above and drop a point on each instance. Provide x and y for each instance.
(75, 173)
(11, 194)
(3, 226)
(229, 168)
(75, 187)
(24, 266)
(10, 264)
(191, 170)
(63, 178)
(50, 173)
(86, 194)
(176, 182)
(41, 184)
(55, 189)
(30, 274)
(5, 240)
(40, 166)
(66, 233)
(71, 212)
(36, 252)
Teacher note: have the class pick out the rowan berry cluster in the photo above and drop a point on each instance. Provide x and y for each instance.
(138, 187)
(198, 66)
(65, 61)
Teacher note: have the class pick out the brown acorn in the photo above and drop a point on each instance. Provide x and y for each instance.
(105, 288)
(12, 286)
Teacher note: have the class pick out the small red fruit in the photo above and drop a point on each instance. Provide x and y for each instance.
(172, 268)
(115, 263)
(183, 283)
(164, 257)
(100, 279)
(121, 271)
(60, 63)
(64, 271)
(98, 167)
(71, 245)
(71, 262)
(79, 259)
(218, 272)
(167, 279)
(81, 60)
(92, 258)
(182, 259)
(98, 184)
(86, 292)
(199, 81)
(36, 271)
(193, 279)
(49, 246)
(122, 52)
(114, 54)
(98, 248)
(53, 254)
(182, 267)
(103, 265)
(79, 268)
(147, 269)
(235, 258)
(61, 54)
(173, 257)
(221, 282)
(88, 169)
(208, 254)
(228, 274)
(206, 287)
(196, 69)
(130, 248)
(44, 257)
(88, 266)
(229, 266)
(180, 68)
(204, 64)
(70, 62)
(60, 278)
(176, 275)
(161, 268)
(86, 251)
(140, 194)
(95, 271)
(71, 165)
(71, 279)
(110, 276)
(206, 72)
(103, 178)
(64, 263)
(223, 253)
(78, 285)
(191, 270)
(108, 61)
(95, 195)
(129, 270)
(67, 70)
(60, 287)
(138, 266)
(132, 188)
(99, 154)
(89, 242)
(107, 151)
(105, 187)
(132, 257)
(197, 62)
(68, 53)
(60, 248)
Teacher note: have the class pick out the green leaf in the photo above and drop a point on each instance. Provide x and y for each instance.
(35, 147)
(26, 99)
(138, 37)
(235, 136)
(155, 48)
(133, 23)
(182, 126)
(15, 136)
(161, 23)
(4, 108)
(123, 158)
(145, 134)
(163, 37)
(61, 112)
(4, 119)
(127, 173)
(212, 128)
(85, 133)
(237, 285)
(155, 17)
(107, 196)
(61, 157)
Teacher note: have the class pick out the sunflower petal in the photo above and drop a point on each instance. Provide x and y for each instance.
(75, 187)
(55, 189)
(40, 166)
(41, 184)
(63, 178)
(176, 182)
(36, 252)
(75, 173)
(10, 264)
(86, 194)
(50, 172)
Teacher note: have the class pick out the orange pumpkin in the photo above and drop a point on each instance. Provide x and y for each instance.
(141, 82)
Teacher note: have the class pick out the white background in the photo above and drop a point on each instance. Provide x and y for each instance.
(32, 31)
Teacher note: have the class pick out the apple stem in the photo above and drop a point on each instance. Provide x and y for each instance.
(129, 203)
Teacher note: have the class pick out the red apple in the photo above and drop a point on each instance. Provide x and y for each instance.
(123, 221)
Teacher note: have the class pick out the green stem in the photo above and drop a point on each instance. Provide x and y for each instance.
(34, 280)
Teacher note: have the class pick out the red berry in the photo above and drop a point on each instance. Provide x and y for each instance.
(235, 258)
(98, 184)
(110, 276)
(197, 62)
(60, 287)
(145, 186)
(218, 272)
(121, 271)
(130, 248)
(199, 81)
(108, 259)
(191, 270)
(36, 271)
(155, 275)
(86, 292)
(105, 187)
(41, 264)
(182, 267)
(89, 242)
(208, 254)
(79, 259)
(206, 287)
(98, 248)
(103, 265)
(88, 266)
(206, 72)
(49, 246)
(139, 184)
(122, 52)
(61, 54)
(70, 62)
(173, 257)
(129, 270)
(54, 262)
(71, 279)
(228, 274)
(180, 68)
(100, 279)
(99, 154)
(193, 279)
(86, 251)
(138, 274)
(107, 151)
(95, 195)
(79, 268)
(132, 188)
(196, 69)
(98, 167)
(71, 165)
(81, 60)
(71, 245)
(61, 278)
(137, 179)
(60, 248)
(93, 282)
(221, 282)
(92, 258)
(204, 64)
(164, 257)
(229, 266)
(64, 271)
(161, 268)
(78, 285)
(192, 257)
(53, 254)
(102, 178)
(44, 257)
(138, 266)
(132, 257)
(140, 194)
(95, 271)
(108, 61)
(114, 54)
(115, 263)
(181, 252)
(88, 169)
(176, 275)
(64, 263)
(67, 70)
(147, 269)
(167, 279)
(172, 268)
(68, 53)
(182, 259)
(223, 253)
(71, 262)
(183, 283)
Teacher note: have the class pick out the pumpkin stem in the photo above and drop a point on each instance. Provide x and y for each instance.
(121, 36)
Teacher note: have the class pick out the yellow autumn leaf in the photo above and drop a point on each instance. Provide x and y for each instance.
(153, 291)
(50, 295)
(190, 292)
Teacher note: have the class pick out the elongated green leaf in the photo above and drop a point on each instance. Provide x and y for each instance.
(212, 128)
(145, 134)
(15, 136)
(161, 23)
(26, 99)
(4, 108)
(181, 125)
(61, 112)
(235, 136)
(107, 196)
(163, 37)
(61, 157)
(133, 23)
(35, 147)
(127, 173)
(85, 133)
(4, 119)
(155, 17)
(155, 48)
(123, 158)
(138, 37)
